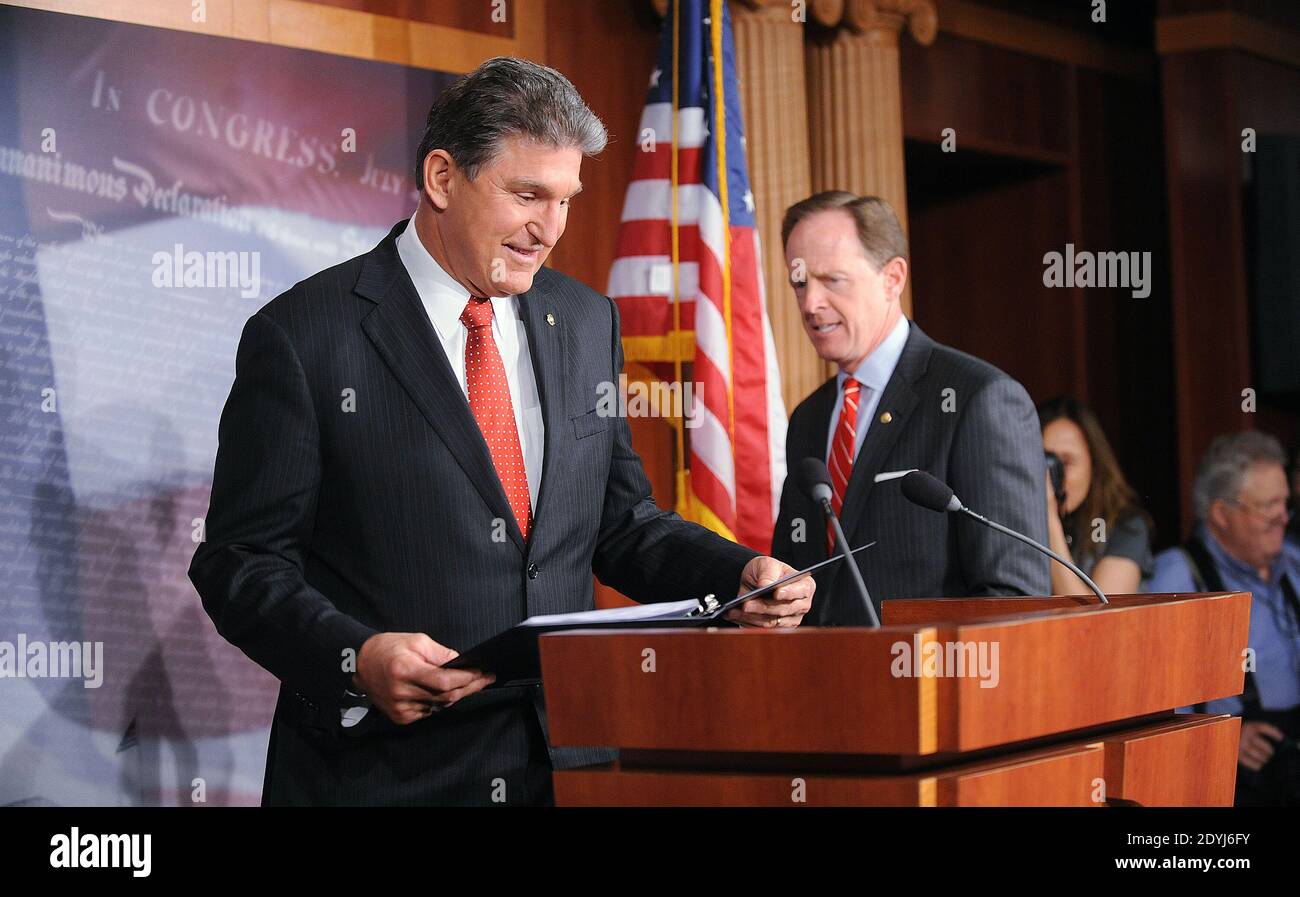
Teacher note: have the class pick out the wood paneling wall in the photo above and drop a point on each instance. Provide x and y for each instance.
(1209, 97)
(1047, 153)
(1129, 341)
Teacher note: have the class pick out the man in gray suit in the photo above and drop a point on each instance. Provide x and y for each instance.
(899, 401)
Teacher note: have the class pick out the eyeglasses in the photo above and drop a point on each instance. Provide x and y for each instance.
(1274, 512)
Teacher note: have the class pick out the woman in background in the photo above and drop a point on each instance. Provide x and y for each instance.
(1099, 524)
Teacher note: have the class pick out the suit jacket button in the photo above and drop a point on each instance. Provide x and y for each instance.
(533, 571)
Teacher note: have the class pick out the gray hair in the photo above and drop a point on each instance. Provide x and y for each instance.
(1226, 462)
(502, 98)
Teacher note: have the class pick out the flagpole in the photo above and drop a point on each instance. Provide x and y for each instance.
(681, 479)
(720, 139)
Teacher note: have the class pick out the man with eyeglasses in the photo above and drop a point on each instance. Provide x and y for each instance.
(1240, 497)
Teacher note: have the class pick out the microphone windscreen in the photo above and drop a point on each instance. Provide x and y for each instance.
(812, 474)
(928, 491)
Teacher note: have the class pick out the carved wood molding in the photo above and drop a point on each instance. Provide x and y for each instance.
(887, 17)
(1226, 31)
(890, 17)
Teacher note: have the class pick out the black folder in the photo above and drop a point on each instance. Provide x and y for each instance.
(513, 655)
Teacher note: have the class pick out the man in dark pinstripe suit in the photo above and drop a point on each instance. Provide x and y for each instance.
(901, 401)
(411, 460)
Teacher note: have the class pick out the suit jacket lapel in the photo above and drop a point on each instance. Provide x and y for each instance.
(546, 345)
(899, 400)
(401, 331)
(812, 443)
(809, 441)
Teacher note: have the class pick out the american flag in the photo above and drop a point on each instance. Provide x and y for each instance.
(688, 281)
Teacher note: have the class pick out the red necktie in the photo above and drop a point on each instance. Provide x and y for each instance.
(842, 445)
(489, 399)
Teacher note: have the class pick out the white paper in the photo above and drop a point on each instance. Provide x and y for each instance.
(667, 610)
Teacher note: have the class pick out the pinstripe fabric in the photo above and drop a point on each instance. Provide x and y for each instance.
(327, 525)
(987, 447)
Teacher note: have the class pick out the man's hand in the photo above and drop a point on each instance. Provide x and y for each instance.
(783, 608)
(403, 674)
(1255, 748)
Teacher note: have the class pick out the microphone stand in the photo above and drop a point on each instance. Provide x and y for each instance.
(1028, 541)
(843, 544)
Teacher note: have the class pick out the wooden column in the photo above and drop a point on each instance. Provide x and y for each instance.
(770, 63)
(855, 108)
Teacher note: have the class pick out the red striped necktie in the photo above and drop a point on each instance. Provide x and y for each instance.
(489, 399)
(842, 446)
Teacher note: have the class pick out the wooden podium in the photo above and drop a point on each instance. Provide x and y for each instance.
(952, 702)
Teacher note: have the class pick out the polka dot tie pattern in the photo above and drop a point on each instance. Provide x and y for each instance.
(489, 400)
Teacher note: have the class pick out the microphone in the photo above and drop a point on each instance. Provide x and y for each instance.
(921, 488)
(815, 482)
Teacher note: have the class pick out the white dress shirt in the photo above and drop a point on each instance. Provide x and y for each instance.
(444, 300)
(873, 374)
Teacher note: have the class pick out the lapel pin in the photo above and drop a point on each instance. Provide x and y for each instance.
(886, 417)
(550, 319)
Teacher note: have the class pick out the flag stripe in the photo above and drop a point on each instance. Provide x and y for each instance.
(634, 276)
(656, 164)
(656, 120)
(651, 237)
(736, 456)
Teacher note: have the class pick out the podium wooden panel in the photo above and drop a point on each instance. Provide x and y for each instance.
(1138, 763)
(1073, 706)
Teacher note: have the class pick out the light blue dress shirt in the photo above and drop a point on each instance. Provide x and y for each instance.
(1274, 633)
(873, 374)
